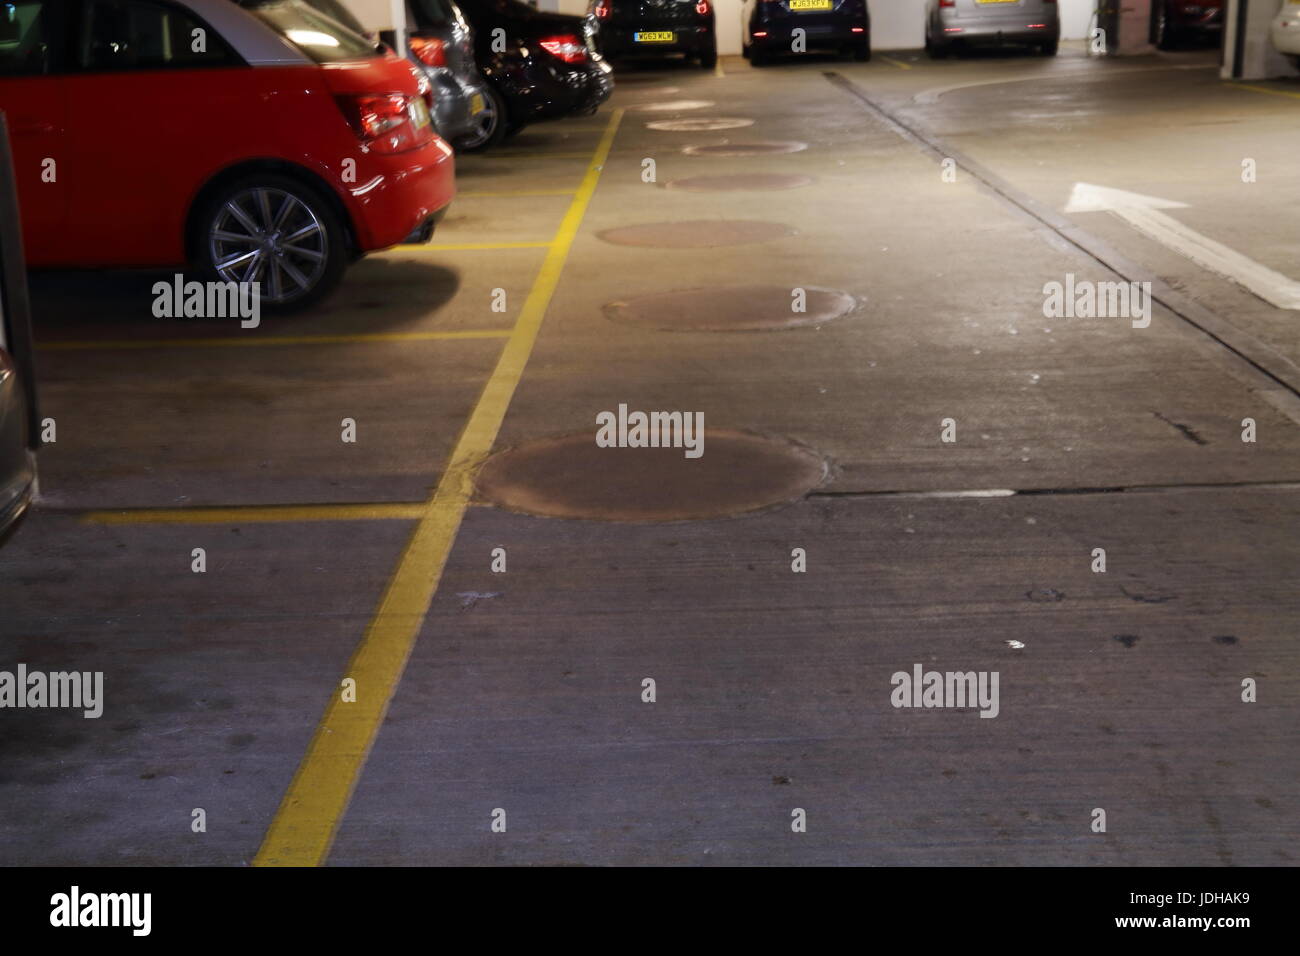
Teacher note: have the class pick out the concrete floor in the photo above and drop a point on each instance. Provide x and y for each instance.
(523, 690)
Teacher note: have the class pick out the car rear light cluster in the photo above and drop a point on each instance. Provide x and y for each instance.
(702, 7)
(388, 122)
(947, 3)
(603, 9)
(429, 50)
(568, 48)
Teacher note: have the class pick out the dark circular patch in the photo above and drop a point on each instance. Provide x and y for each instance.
(748, 308)
(572, 477)
(748, 182)
(697, 234)
(745, 149)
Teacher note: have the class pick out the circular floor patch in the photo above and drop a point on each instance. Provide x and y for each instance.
(572, 477)
(745, 149)
(700, 124)
(670, 106)
(697, 234)
(748, 308)
(743, 183)
(657, 90)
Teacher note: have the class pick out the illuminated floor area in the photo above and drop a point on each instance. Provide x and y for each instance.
(378, 664)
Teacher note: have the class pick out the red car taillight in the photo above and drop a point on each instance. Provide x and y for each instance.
(568, 48)
(703, 8)
(388, 122)
(603, 9)
(429, 50)
(947, 3)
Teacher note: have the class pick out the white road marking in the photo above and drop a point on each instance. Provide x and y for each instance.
(1143, 213)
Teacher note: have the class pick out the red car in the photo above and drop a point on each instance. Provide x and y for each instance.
(261, 141)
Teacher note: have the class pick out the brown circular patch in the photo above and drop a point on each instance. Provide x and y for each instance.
(572, 477)
(752, 308)
(697, 234)
(748, 182)
(744, 149)
(699, 124)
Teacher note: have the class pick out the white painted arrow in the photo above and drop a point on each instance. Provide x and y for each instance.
(1143, 213)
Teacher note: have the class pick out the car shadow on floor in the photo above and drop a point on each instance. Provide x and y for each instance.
(377, 295)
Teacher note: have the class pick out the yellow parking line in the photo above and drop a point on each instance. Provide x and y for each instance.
(309, 815)
(252, 340)
(465, 246)
(248, 514)
(717, 69)
(1265, 89)
(898, 63)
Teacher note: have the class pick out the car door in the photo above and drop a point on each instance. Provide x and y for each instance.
(148, 93)
(33, 97)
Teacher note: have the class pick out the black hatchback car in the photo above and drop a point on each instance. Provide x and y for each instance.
(826, 25)
(657, 28)
(541, 65)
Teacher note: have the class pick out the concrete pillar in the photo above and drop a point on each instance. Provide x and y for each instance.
(1247, 52)
(1134, 26)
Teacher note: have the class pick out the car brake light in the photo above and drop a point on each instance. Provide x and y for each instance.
(760, 33)
(429, 50)
(947, 3)
(702, 8)
(603, 9)
(568, 48)
(388, 122)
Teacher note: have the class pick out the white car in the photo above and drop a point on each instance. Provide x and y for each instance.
(1285, 31)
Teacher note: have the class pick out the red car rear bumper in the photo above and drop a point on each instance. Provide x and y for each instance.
(395, 196)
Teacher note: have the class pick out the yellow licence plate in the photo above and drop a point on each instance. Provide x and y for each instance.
(810, 4)
(476, 103)
(655, 36)
(419, 111)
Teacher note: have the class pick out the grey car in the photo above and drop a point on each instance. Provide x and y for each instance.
(440, 43)
(466, 112)
(962, 24)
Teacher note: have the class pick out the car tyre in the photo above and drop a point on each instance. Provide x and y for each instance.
(292, 274)
(709, 58)
(1050, 48)
(936, 51)
(862, 51)
(493, 130)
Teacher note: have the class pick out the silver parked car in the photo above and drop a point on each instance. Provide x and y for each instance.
(466, 112)
(440, 43)
(961, 24)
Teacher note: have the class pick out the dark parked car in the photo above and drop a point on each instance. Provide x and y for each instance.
(1177, 21)
(538, 65)
(17, 393)
(656, 28)
(768, 28)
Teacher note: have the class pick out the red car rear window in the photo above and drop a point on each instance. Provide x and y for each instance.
(319, 36)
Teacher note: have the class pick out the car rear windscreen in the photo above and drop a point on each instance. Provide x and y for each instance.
(319, 36)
